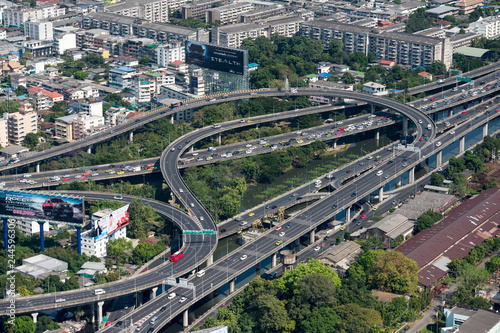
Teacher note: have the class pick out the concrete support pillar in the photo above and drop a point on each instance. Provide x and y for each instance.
(42, 241)
(38, 167)
(131, 136)
(462, 145)
(172, 119)
(5, 234)
(381, 194)
(210, 260)
(411, 176)
(191, 149)
(334, 144)
(231, 286)
(372, 107)
(312, 236)
(99, 312)
(485, 130)
(219, 139)
(153, 292)
(377, 135)
(450, 113)
(348, 214)
(439, 159)
(297, 242)
(89, 150)
(405, 126)
(274, 259)
(185, 318)
(34, 315)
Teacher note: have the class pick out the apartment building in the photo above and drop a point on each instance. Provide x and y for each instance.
(260, 13)
(116, 116)
(38, 48)
(404, 49)
(4, 130)
(142, 88)
(4, 4)
(198, 9)
(166, 54)
(64, 127)
(39, 30)
(287, 26)
(85, 125)
(233, 35)
(488, 27)
(64, 42)
(468, 6)
(17, 16)
(149, 10)
(462, 40)
(125, 26)
(20, 124)
(228, 14)
(121, 77)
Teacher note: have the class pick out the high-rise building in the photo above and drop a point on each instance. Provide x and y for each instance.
(39, 30)
(488, 27)
(4, 130)
(403, 49)
(149, 10)
(20, 124)
(228, 14)
(198, 9)
(166, 54)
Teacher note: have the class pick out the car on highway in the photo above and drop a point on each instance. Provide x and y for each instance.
(289, 225)
(278, 243)
(282, 234)
(27, 175)
(87, 174)
(375, 208)
(243, 223)
(95, 174)
(369, 157)
(243, 257)
(66, 179)
(109, 171)
(181, 190)
(222, 231)
(201, 218)
(278, 228)
(353, 194)
(421, 139)
(433, 99)
(317, 248)
(200, 273)
(363, 216)
(82, 177)
(343, 227)
(120, 172)
(251, 214)
(359, 223)
(452, 132)
(295, 194)
(438, 144)
(171, 296)
(348, 171)
(182, 300)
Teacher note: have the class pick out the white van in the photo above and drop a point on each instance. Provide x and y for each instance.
(200, 273)
(380, 173)
(153, 320)
(99, 292)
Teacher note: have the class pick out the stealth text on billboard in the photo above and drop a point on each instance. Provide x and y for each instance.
(219, 58)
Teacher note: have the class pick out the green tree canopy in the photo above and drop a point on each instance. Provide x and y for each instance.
(347, 78)
(437, 179)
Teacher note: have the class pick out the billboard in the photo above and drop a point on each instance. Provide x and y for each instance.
(41, 206)
(110, 223)
(224, 59)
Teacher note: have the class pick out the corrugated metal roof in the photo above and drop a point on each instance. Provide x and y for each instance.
(465, 227)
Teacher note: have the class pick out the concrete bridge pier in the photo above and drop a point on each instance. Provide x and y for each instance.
(405, 126)
(37, 167)
(274, 259)
(185, 318)
(131, 136)
(462, 145)
(172, 119)
(191, 149)
(348, 214)
(34, 315)
(411, 176)
(312, 236)
(377, 135)
(372, 108)
(153, 292)
(210, 260)
(219, 139)
(231, 286)
(439, 159)
(450, 113)
(334, 145)
(99, 312)
(89, 150)
(485, 130)
(381, 194)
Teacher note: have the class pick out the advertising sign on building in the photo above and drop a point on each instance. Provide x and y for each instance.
(112, 222)
(224, 59)
(38, 206)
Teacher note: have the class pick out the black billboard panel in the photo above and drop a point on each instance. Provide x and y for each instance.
(41, 206)
(215, 57)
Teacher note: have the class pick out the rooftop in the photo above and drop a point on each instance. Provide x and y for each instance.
(472, 51)
(442, 9)
(479, 322)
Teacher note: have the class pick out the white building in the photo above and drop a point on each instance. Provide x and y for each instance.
(4, 133)
(90, 107)
(488, 27)
(375, 88)
(20, 124)
(30, 228)
(64, 42)
(116, 116)
(3, 6)
(41, 264)
(94, 245)
(17, 16)
(40, 30)
(166, 54)
(85, 125)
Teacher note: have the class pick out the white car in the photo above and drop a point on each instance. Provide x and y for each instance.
(340, 123)
(369, 157)
(452, 132)
(248, 145)
(2, 184)
(195, 154)
(201, 218)
(171, 295)
(317, 248)
(243, 223)
(282, 234)
(181, 190)
(438, 144)
(182, 300)
(23, 181)
(243, 257)
(26, 175)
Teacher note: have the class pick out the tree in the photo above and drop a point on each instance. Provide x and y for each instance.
(322, 320)
(141, 219)
(393, 272)
(59, 107)
(427, 220)
(31, 140)
(417, 21)
(24, 324)
(95, 60)
(145, 61)
(358, 319)
(347, 78)
(271, 314)
(317, 290)
(97, 78)
(289, 282)
(20, 90)
(437, 68)
(437, 179)
(81, 75)
(460, 185)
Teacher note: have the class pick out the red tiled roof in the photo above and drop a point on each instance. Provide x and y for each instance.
(386, 62)
(424, 74)
(460, 231)
(132, 114)
(443, 22)
(52, 94)
(176, 63)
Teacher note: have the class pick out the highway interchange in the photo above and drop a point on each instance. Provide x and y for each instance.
(229, 266)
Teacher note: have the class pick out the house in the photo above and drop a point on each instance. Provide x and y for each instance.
(10, 67)
(127, 61)
(442, 11)
(387, 63)
(425, 75)
(375, 88)
(443, 24)
(17, 80)
(468, 6)
(324, 67)
(390, 227)
(340, 257)
(468, 319)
